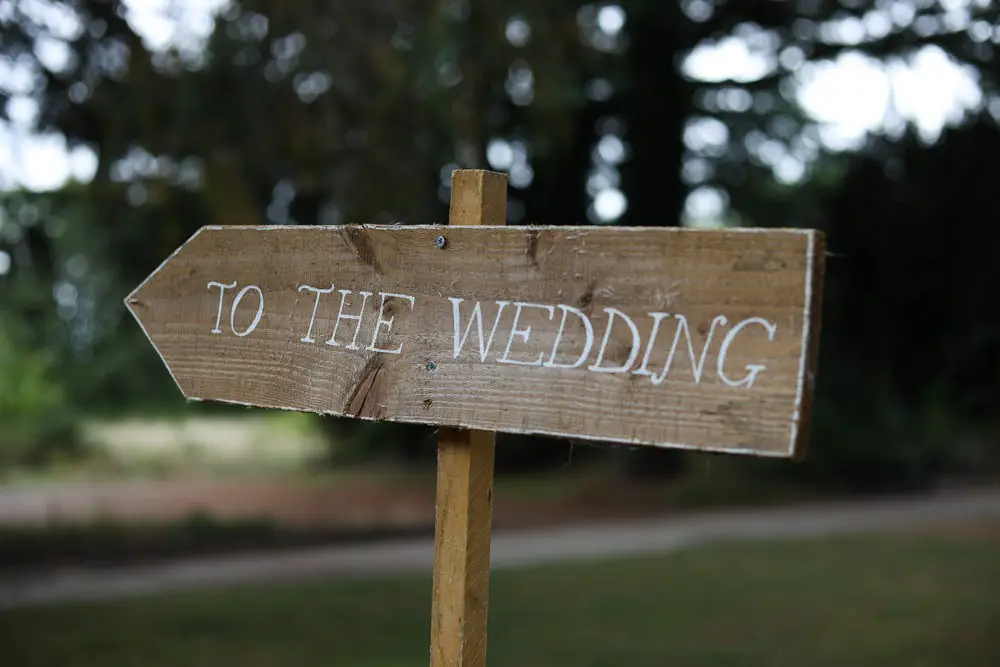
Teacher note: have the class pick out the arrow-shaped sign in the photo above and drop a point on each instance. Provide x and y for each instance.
(649, 336)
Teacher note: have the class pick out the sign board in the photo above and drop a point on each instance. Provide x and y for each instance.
(702, 339)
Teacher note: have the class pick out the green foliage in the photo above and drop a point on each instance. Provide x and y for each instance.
(909, 368)
(871, 441)
(37, 423)
(356, 111)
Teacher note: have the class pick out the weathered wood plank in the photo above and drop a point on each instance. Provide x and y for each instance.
(738, 310)
(464, 508)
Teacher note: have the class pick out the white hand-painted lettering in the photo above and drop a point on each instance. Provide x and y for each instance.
(523, 334)
(753, 370)
(387, 323)
(341, 315)
(477, 318)
(319, 292)
(588, 328)
(697, 364)
(644, 367)
(222, 295)
(542, 347)
(614, 313)
(236, 304)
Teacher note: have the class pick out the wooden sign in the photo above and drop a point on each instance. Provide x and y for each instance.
(703, 339)
(653, 336)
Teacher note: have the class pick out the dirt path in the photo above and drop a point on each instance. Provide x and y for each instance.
(511, 549)
(401, 500)
(362, 500)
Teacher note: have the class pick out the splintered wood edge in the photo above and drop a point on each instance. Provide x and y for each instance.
(811, 326)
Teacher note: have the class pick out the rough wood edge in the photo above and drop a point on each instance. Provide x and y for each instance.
(518, 228)
(132, 299)
(629, 442)
(812, 325)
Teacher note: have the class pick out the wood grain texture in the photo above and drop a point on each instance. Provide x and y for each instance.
(464, 506)
(463, 523)
(700, 275)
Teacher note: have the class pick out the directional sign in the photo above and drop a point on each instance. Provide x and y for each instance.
(648, 336)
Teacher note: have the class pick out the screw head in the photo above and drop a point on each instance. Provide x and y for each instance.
(440, 242)
(431, 366)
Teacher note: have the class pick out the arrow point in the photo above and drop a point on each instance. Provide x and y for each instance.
(135, 305)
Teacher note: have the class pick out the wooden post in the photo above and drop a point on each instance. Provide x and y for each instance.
(464, 514)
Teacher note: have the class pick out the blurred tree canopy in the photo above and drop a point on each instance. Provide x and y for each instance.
(322, 112)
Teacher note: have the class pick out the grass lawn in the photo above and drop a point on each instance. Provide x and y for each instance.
(913, 601)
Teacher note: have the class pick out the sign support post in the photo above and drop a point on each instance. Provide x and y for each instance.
(464, 507)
